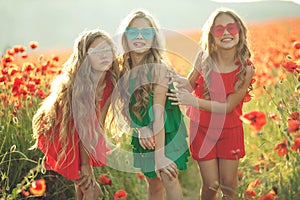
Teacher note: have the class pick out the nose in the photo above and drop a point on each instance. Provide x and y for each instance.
(139, 36)
(103, 56)
(225, 31)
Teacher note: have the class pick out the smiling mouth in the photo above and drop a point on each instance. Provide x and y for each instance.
(227, 40)
(105, 62)
(139, 44)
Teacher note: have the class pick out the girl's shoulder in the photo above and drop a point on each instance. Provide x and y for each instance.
(160, 73)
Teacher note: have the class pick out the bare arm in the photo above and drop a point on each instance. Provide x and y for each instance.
(183, 97)
(163, 164)
(192, 77)
(232, 100)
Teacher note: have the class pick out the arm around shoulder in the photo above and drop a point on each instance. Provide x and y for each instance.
(233, 99)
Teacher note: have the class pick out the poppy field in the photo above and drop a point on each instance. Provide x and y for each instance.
(270, 169)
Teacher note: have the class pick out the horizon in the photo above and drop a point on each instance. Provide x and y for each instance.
(62, 21)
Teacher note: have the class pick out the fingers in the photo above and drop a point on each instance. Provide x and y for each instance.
(85, 181)
(92, 192)
(147, 143)
(174, 97)
(79, 194)
(81, 181)
(170, 171)
(158, 174)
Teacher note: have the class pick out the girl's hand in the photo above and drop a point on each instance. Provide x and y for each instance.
(87, 194)
(180, 81)
(146, 138)
(182, 97)
(87, 177)
(92, 192)
(167, 166)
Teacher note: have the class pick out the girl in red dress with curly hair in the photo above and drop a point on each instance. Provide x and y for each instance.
(220, 80)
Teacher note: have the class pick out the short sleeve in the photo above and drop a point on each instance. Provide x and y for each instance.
(159, 75)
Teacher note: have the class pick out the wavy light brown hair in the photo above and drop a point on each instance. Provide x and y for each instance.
(155, 55)
(55, 113)
(207, 43)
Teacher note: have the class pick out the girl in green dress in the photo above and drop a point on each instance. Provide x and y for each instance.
(158, 131)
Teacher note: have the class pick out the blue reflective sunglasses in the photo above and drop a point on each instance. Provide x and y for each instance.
(132, 33)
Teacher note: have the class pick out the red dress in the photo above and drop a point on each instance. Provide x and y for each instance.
(222, 132)
(69, 164)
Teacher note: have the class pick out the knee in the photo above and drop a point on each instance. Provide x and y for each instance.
(167, 182)
(228, 187)
(209, 190)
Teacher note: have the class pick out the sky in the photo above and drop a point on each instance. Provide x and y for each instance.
(55, 24)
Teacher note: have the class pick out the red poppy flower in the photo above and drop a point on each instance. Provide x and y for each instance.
(273, 116)
(120, 194)
(104, 180)
(293, 125)
(33, 44)
(31, 86)
(297, 45)
(295, 115)
(291, 66)
(8, 58)
(240, 175)
(256, 167)
(17, 83)
(250, 189)
(10, 52)
(25, 193)
(140, 176)
(41, 94)
(2, 79)
(12, 71)
(37, 81)
(255, 119)
(38, 187)
(281, 148)
(270, 196)
(296, 144)
(16, 48)
(24, 55)
(55, 58)
(22, 49)
(27, 67)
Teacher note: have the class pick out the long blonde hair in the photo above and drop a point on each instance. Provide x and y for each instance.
(156, 54)
(55, 113)
(207, 42)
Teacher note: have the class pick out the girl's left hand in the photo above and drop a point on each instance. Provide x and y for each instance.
(182, 97)
(166, 166)
(87, 177)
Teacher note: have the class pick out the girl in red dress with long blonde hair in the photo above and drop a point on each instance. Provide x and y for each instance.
(220, 81)
(69, 124)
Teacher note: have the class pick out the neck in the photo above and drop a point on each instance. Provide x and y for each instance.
(136, 59)
(225, 58)
(98, 77)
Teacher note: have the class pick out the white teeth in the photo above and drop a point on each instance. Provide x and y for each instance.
(226, 39)
(139, 44)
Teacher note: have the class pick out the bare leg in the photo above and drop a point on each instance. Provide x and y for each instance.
(173, 188)
(228, 178)
(210, 177)
(92, 193)
(79, 195)
(155, 189)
